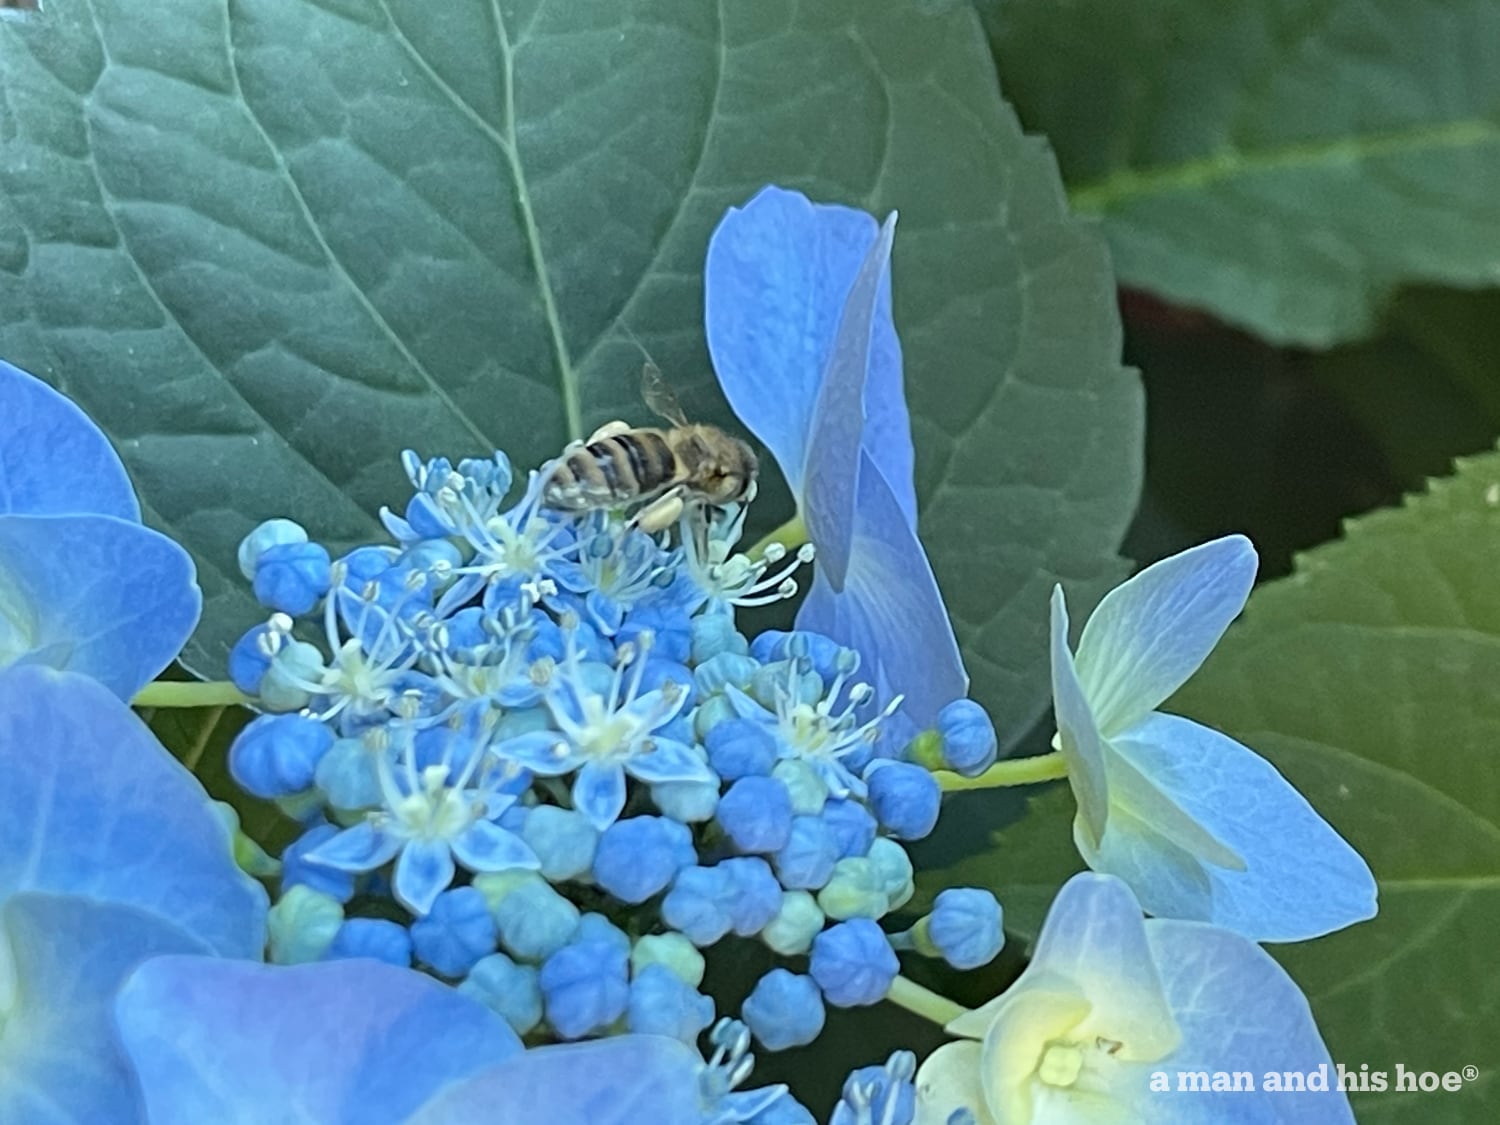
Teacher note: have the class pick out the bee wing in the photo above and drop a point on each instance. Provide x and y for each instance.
(659, 396)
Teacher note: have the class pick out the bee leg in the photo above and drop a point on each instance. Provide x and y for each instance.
(609, 430)
(661, 513)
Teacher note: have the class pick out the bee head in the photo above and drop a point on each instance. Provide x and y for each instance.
(732, 475)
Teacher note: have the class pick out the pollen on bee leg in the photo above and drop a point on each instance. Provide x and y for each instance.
(660, 514)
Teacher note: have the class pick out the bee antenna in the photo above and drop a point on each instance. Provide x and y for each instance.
(636, 340)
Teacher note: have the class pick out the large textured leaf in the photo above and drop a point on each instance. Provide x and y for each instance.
(271, 243)
(1371, 678)
(1284, 164)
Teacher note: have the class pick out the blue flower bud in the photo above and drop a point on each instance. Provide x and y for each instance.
(798, 920)
(271, 533)
(455, 933)
(661, 1004)
(638, 857)
(756, 814)
(598, 928)
(301, 926)
(853, 826)
(697, 905)
(378, 938)
(563, 839)
(825, 657)
(906, 798)
(727, 668)
(248, 660)
(296, 871)
(809, 791)
(853, 963)
(966, 926)
(292, 578)
(671, 634)
(710, 713)
(674, 951)
(532, 919)
(277, 755)
(855, 890)
(784, 1010)
(968, 736)
(690, 802)
(714, 634)
(514, 991)
(806, 860)
(347, 775)
(584, 987)
(755, 894)
(294, 673)
(893, 868)
(740, 748)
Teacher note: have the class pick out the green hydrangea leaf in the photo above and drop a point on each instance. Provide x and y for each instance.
(268, 247)
(1285, 166)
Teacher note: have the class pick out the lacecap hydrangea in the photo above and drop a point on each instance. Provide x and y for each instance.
(532, 750)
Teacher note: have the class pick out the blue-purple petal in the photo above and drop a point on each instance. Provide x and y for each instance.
(622, 1080)
(94, 594)
(93, 805)
(890, 611)
(58, 1053)
(1152, 632)
(424, 871)
(360, 847)
(544, 752)
(838, 422)
(1301, 879)
(599, 792)
(669, 760)
(779, 271)
(53, 460)
(1078, 736)
(1238, 1011)
(339, 1043)
(485, 846)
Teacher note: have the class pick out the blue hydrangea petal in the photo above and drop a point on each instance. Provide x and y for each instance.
(424, 871)
(360, 847)
(622, 1080)
(1210, 975)
(890, 611)
(599, 792)
(1301, 879)
(95, 806)
(838, 419)
(1078, 735)
(485, 846)
(778, 273)
(951, 1081)
(669, 760)
(53, 459)
(94, 594)
(242, 1044)
(544, 752)
(58, 1052)
(1151, 633)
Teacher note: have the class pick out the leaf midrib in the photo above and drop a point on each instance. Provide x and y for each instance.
(1129, 185)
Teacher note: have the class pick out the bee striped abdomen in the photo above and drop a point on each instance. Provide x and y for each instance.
(613, 470)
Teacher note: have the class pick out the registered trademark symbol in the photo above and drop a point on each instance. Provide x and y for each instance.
(1470, 1073)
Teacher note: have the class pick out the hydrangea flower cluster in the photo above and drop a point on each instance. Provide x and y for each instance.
(543, 734)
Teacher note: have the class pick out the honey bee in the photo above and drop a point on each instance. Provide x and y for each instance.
(675, 470)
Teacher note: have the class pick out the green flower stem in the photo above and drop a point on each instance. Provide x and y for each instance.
(1017, 771)
(190, 693)
(924, 1002)
(790, 535)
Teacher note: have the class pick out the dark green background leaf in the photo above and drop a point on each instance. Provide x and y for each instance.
(270, 246)
(1284, 165)
(1371, 678)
